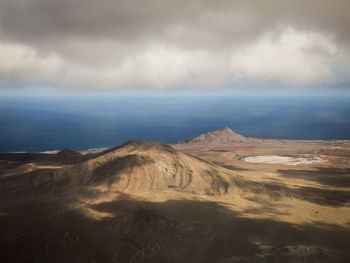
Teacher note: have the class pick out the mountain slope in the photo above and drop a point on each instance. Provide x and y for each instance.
(145, 166)
(48, 215)
(221, 136)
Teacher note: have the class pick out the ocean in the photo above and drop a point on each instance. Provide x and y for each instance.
(85, 122)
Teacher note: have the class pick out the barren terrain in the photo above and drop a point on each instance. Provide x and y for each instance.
(194, 201)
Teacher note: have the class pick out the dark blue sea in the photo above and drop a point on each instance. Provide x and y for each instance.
(85, 122)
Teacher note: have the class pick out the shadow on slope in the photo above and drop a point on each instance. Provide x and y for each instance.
(327, 176)
(277, 191)
(66, 156)
(172, 231)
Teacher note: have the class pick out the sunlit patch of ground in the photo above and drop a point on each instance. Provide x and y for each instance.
(94, 214)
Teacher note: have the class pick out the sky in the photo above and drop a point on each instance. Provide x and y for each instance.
(195, 46)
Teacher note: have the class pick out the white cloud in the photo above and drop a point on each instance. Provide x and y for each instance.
(112, 44)
(155, 66)
(286, 55)
(289, 56)
(21, 64)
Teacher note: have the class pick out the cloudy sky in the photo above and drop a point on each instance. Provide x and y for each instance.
(108, 45)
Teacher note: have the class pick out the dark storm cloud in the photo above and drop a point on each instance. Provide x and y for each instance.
(45, 19)
(71, 38)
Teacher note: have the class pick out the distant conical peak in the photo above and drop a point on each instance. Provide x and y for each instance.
(223, 135)
(226, 129)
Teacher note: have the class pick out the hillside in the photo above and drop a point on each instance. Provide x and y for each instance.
(221, 136)
(145, 166)
(148, 202)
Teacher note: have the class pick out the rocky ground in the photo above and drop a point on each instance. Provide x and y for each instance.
(193, 202)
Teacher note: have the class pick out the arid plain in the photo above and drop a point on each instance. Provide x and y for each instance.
(194, 201)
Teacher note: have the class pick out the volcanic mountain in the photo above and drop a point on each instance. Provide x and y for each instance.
(221, 136)
(132, 168)
(144, 166)
(148, 202)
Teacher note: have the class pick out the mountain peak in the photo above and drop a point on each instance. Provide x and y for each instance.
(226, 129)
(145, 166)
(221, 136)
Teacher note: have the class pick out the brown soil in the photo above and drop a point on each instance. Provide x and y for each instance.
(194, 202)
